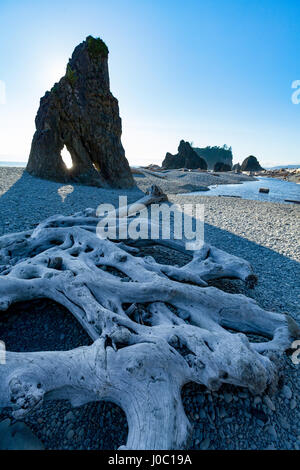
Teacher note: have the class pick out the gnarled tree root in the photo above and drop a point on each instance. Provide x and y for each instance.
(155, 327)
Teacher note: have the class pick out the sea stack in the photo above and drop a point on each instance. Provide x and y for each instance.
(81, 113)
(251, 164)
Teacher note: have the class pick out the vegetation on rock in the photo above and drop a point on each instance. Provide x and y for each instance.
(215, 154)
(54, 89)
(71, 76)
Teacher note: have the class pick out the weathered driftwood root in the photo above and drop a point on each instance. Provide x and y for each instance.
(153, 331)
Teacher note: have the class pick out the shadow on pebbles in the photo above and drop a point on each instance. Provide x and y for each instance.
(43, 325)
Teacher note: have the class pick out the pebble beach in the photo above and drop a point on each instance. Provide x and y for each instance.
(264, 233)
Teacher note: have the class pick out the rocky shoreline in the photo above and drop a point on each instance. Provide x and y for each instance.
(284, 174)
(185, 181)
(266, 234)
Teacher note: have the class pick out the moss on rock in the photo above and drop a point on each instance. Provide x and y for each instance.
(71, 75)
(96, 47)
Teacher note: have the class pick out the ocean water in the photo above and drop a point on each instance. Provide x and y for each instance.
(20, 164)
(279, 190)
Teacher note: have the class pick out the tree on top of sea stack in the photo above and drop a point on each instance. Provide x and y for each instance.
(185, 158)
(251, 164)
(81, 114)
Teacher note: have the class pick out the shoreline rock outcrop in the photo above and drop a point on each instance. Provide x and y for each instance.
(251, 164)
(185, 158)
(236, 167)
(220, 166)
(81, 114)
(285, 174)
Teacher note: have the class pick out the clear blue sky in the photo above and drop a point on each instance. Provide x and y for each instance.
(207, 71)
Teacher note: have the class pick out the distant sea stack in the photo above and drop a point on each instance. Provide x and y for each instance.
(213, 155)
(237, 167)
(185, 158)
(81, 113)
(251, 164)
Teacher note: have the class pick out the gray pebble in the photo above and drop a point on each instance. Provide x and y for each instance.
(293, 404)
(269, 403)
(286, 391)
(228, 397)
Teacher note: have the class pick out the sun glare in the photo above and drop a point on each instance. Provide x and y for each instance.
(51, 72)
(66, 157)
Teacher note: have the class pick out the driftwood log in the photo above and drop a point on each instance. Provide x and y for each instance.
(155, 327)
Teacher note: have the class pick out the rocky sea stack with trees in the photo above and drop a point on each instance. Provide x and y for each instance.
(199, 158)
(215, 154)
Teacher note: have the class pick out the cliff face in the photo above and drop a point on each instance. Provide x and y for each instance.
(251, 164)
(81, 113)
(185, 158)
(213, 155)
(220, 166)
